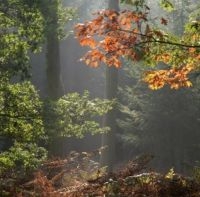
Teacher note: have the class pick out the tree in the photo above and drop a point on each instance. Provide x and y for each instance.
(21, 30)
(134, 105)
(56, 17)
(55, 89)
(108, 139)
(128, 34)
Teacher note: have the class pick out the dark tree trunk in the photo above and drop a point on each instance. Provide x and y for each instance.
(54, 83)
(55, 89)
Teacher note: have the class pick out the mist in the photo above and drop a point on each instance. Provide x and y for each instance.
(169, 123)
(134, 104)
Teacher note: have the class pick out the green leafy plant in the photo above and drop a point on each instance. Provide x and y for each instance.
(21, 125)
(75, 115)
(26, 124)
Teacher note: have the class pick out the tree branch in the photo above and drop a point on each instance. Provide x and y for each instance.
(169, 43)
(159, 41)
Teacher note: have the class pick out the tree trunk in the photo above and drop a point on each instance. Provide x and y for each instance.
(55, 89)
(54, 83)
(108, 140)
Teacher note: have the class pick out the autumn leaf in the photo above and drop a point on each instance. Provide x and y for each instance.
(163, 21)
(175, 78)
(188, 84)
(94, 64)
(88, 41)
(118, 32)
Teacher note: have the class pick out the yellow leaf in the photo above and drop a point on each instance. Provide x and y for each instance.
(188, 84)
(87, 61)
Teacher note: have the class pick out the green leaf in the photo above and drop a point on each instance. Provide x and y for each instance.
(166, 5)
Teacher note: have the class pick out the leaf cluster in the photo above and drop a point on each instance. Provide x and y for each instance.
(75, 115)
(24, 26)
(21, 125)
(128, 34)
(22, 29)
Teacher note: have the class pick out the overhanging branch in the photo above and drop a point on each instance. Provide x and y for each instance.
(154, 40)
(169, 43)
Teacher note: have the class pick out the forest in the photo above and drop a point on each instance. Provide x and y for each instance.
(100, 98)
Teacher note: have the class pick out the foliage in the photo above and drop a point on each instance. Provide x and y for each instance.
(21, 125)
(26, 124)
(130, 180)
(112, 35)
(23, 28)
(74, 115)
(144, 184)
(71, 171)
(158, 122)
(21, 158)
(167, 5)
(134, 101)
(170, 174)
(56, 16)
(20, 117)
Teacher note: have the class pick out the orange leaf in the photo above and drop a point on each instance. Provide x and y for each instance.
(88, 41)
(188, 84)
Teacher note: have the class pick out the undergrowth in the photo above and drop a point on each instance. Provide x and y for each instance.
(79, 175)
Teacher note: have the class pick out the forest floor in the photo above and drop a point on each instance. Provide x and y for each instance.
(79, 176)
